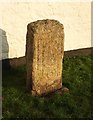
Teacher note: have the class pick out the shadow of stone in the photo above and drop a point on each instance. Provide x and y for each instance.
(5, 50)
(92, 25)
(14, 78)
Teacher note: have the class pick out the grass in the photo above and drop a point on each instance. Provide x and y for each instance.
(75, 104)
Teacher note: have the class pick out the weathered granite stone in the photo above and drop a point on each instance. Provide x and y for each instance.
(44, 55)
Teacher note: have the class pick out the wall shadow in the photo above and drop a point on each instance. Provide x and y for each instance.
(11, 75)
(5, 49)
(92, 25)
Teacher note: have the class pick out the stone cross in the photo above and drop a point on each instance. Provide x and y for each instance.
(44, 56)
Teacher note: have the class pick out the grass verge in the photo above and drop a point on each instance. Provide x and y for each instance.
(77, 76)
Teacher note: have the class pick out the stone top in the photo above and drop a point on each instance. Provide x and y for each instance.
(46, 22)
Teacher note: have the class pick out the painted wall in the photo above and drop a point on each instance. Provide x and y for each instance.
(14, 17)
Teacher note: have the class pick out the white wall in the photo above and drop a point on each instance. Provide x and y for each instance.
(75, 16)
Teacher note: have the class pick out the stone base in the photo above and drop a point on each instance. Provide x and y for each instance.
(60, 91)
(63, 90)
(47, 89)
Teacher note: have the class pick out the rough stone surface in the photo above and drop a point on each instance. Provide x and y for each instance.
(44, 55)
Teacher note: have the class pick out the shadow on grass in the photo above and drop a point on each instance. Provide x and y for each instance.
(14, 78)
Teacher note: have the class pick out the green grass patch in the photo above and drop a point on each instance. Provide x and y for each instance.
(77, 76)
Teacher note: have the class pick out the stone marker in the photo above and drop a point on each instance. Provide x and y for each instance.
(44, 56)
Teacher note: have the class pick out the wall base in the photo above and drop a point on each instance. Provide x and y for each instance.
(14, 62)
